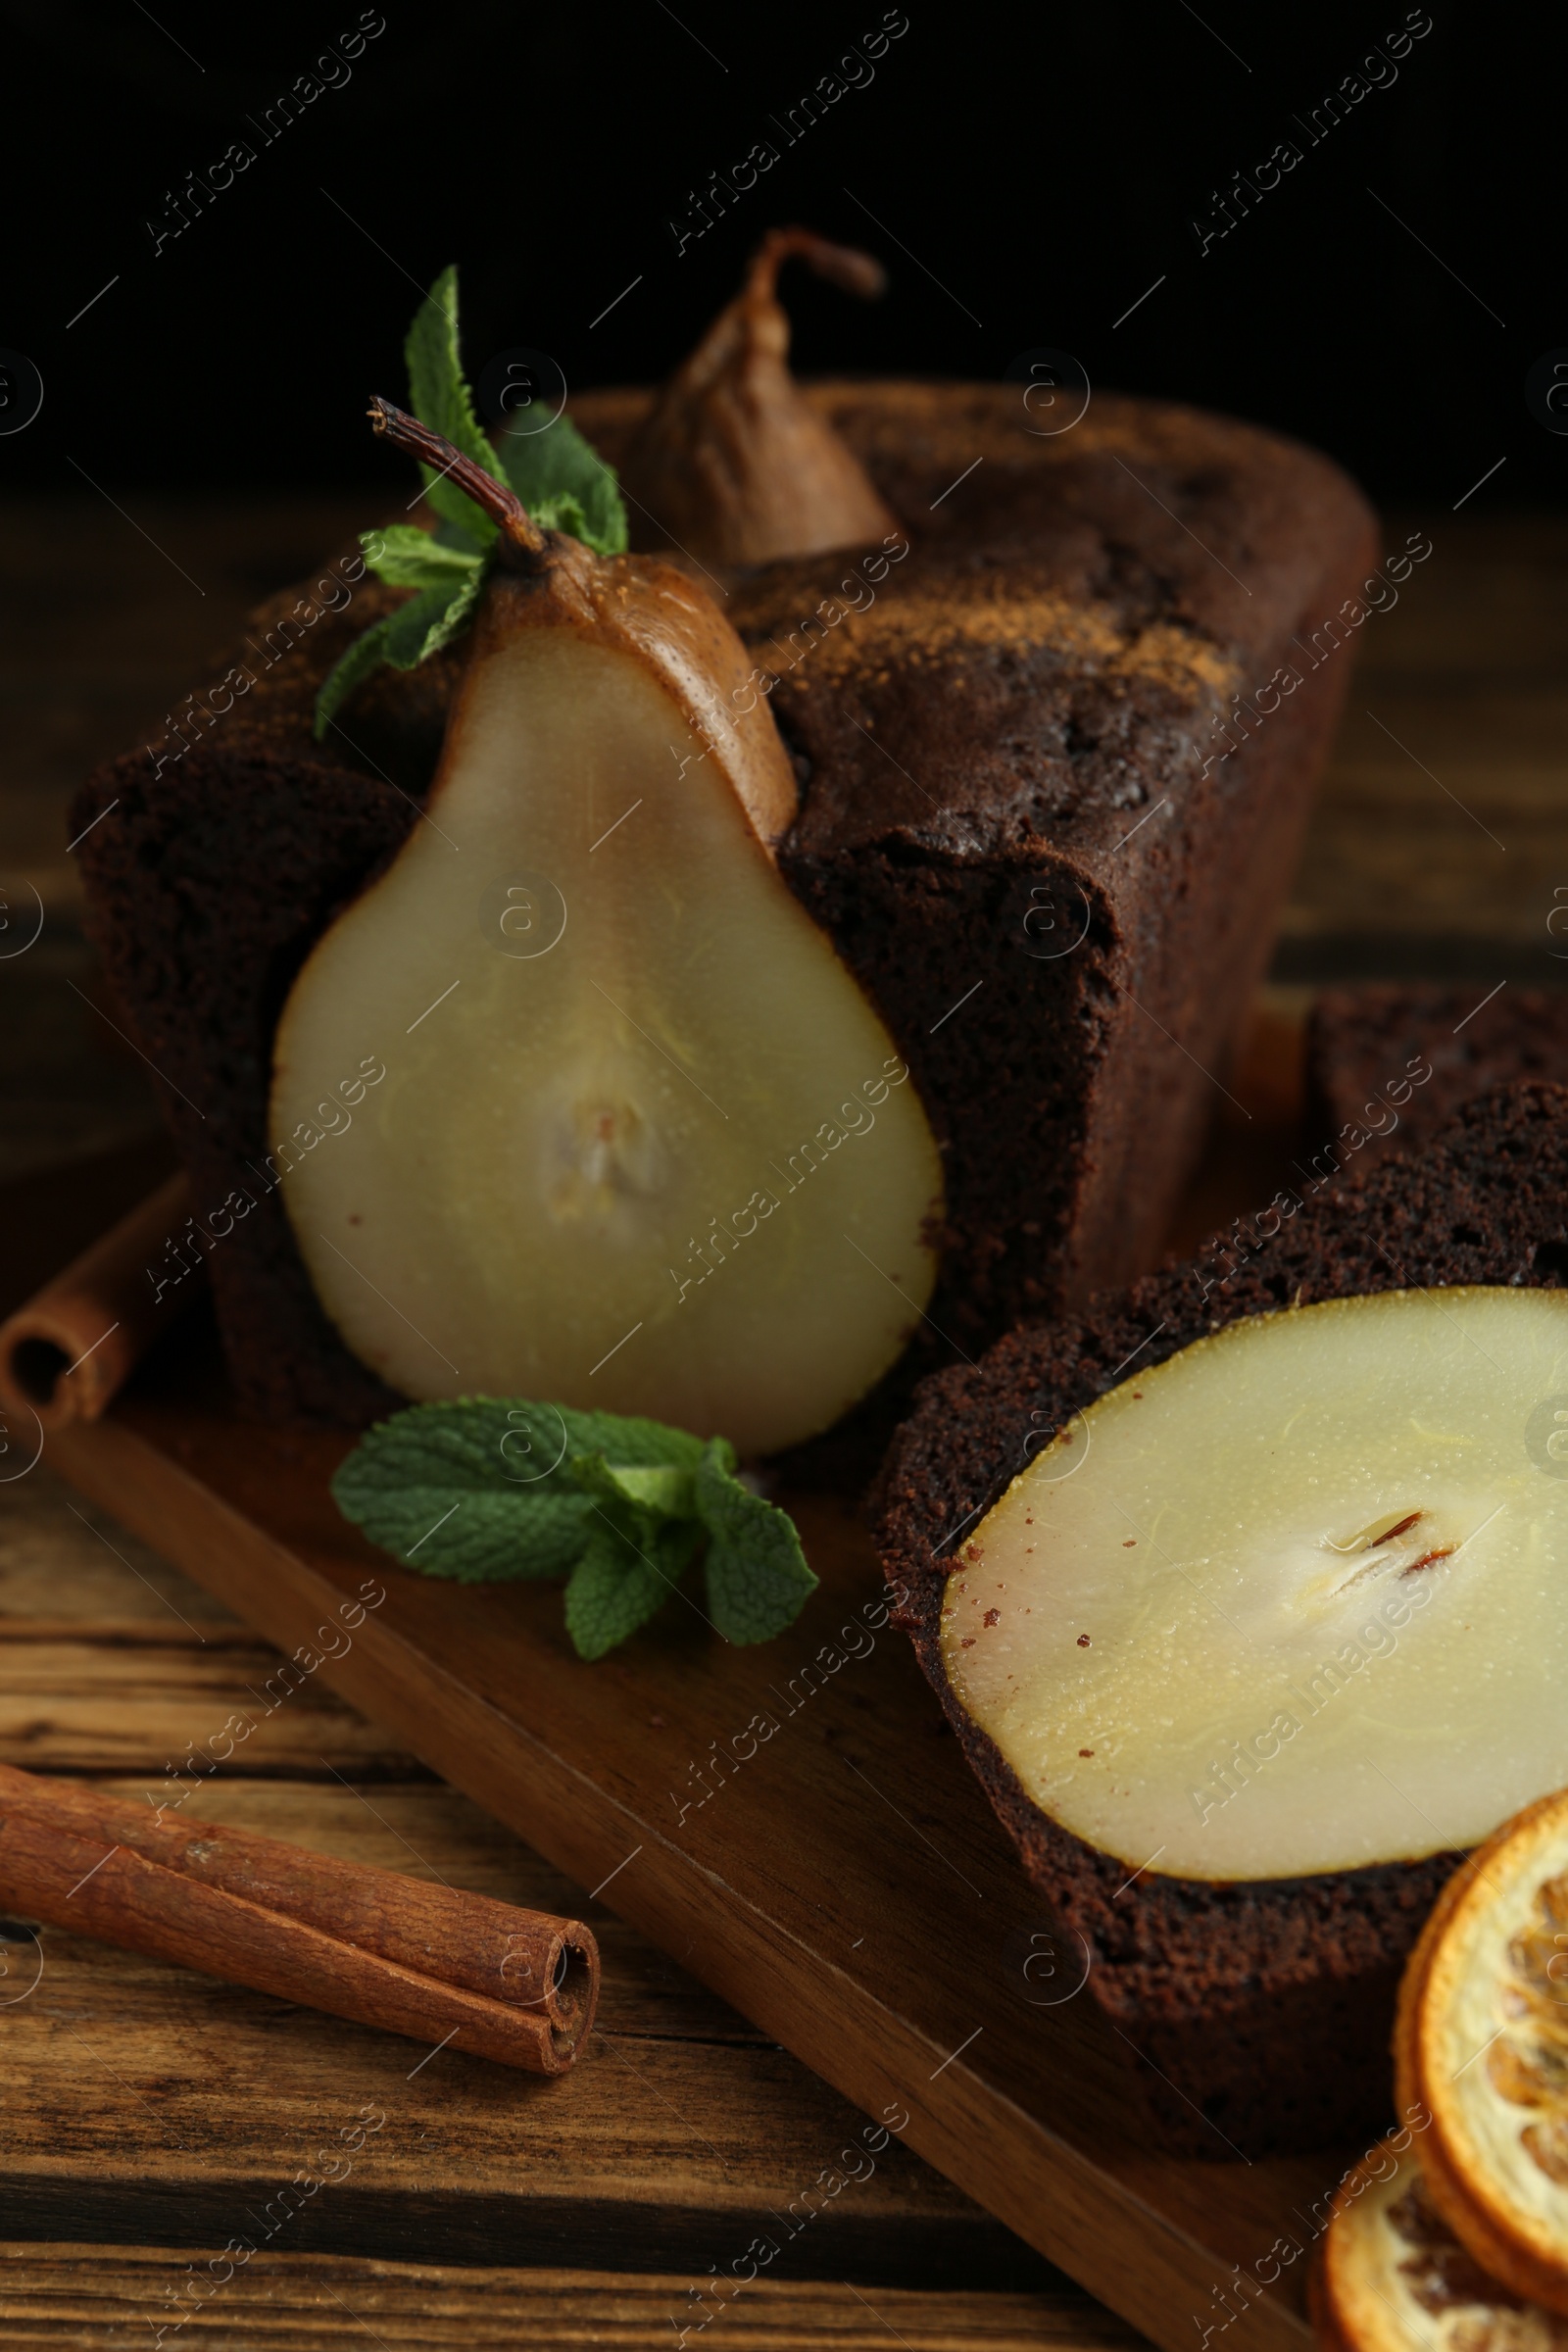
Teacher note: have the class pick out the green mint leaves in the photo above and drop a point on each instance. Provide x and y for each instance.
(440, 398)
(562, 483)
(486, 1490)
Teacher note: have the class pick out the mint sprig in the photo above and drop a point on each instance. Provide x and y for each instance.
(487, 1490)
(561, 480)
(439, 396)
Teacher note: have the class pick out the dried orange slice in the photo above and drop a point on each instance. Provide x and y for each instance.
(1394, 2277)
(1482, 2044)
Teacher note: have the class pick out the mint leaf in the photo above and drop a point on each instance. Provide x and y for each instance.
(467, 1443)
(365, 655)
(475, 1539)
(757, 1579)
(429, 620)
(456, 534)
(485, 1489)
(405, 557)
(434, 1488)
(404, 638)
(619, 1583)
(564, 484)
(439, 397)
(623, 1438)
(656, 1494)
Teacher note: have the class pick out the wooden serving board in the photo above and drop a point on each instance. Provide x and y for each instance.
(842, 1879)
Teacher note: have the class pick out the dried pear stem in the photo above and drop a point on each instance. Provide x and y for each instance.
(842, 266)
(732, 463)
(506, 509)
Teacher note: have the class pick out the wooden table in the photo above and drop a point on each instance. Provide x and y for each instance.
(148, 2111)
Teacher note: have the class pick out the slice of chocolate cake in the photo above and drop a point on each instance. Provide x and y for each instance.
(1269, 1632)
(1472, 1039)
(1054, 743)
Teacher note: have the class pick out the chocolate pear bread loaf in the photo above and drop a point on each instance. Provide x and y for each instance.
(1054, 741)
(1472, 1039)
(1260, 2008)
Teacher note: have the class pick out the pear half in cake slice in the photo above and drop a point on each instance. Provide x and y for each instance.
(1296, 1599)
(643, 1142)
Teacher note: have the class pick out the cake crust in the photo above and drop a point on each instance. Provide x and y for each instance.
(1258, 2014)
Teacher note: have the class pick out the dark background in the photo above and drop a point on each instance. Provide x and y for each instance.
(1039, 164)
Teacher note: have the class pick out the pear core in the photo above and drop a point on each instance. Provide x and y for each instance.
(642, 1143)
(1294, 1600)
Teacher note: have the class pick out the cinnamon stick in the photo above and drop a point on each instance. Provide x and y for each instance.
(527, 1959)
(65, 1354)
(435, 1963)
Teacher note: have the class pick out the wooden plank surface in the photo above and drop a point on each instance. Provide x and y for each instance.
(1439, 837)
(83, 2299)
(148, 2103)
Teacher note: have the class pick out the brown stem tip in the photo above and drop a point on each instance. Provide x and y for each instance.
(842, 266)
(494, 498)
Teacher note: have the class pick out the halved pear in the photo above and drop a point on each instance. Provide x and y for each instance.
(1294, 1599)
(642, 1142)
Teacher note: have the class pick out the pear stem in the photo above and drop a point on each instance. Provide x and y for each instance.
(852, 271)
(494, 498)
